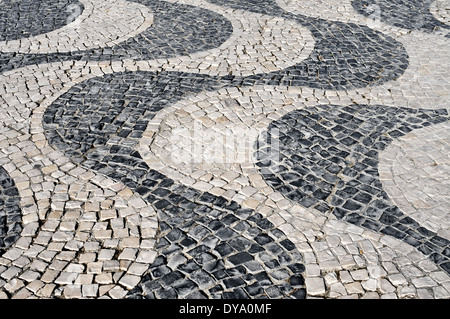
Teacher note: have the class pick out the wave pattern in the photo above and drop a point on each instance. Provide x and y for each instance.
(83, 113)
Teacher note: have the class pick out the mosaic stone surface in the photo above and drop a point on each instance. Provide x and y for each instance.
(426, 162)
(439, 9)
(223, 246)
(343, 112)
(344, 56)
(209, 252)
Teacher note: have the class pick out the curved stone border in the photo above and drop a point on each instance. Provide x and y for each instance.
(259, 44)
(205, 245)
(324, 9)
(345, 261)
(424, 80)
(64, 249)
(343, 57)
(357, 65)
(102, 23)
(307, 93)
(210, 250)
(34, 95)
(371, 15)
(424, 83)
(290, 44)
(341, 259)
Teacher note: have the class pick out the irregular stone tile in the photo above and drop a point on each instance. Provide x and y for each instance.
(57, 251)
(222, 260)
(205, 82)
(385, 63)
(332, 249)
(380, 264)
(357, 65)
(424, 84)
(398, 15)
(329, 10)
(213, 133)
(441, 11)
(264, 6)
(207, 241)
(259, 44)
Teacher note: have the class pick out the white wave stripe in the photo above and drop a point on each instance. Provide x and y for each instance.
(426, 82)
(325, 9)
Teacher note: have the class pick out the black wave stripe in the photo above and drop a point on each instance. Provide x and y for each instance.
(326, 157)
(269, 7)
(209, 247)
(346, 55)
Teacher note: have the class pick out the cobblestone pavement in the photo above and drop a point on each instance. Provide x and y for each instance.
(224, 149)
